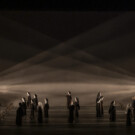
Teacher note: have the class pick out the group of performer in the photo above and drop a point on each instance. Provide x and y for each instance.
(34, 106)
(72, 106)
(130, 110)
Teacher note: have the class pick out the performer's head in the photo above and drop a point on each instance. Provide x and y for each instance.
(46, 100)
(35, 96)
(40, 104)
(113, 103)
(76, 99)
(69, 92)
(128, 105)
(20, 104)
(99, 94)
(28, 93)
(31, 101)
(23, 99)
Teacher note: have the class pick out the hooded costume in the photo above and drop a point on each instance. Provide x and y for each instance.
(112, 111)
(19, 114)
(99, 105)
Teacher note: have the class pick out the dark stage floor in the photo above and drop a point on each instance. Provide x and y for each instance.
(57, 123)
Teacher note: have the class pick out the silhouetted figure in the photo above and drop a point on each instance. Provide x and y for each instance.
(133, 105)
(112, 111)
(19, 114)
(69, 98)
(71, 112)
(77, 107)
(46, 108)
(40, 113)
(129, 115)
(24, 106)
(99, 105)
(32, 110)
(35, 101)
(28, 100)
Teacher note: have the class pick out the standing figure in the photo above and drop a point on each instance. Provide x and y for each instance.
(24, 106)
(133, 105)
(99, 105)
(19, 114)
(112, 111)
(32, 110)
(46, 108)
(129, 115)
(71, 112)
(35, 101)
(40, 114)
(69, 98)
(28, 100)
(77, 107)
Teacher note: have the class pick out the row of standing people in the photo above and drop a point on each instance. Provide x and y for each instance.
(130, 109)
(73, 108)
(34, 106)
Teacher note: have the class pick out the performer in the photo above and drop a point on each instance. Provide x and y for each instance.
(19, 114)
(40, 114)
(32, 110)
(129, 115)
(99, 105)
(77, 107)
(71, 112)
(69, 98)
(46, 108)
(29, 99)
(133, 105)
(112, 111)
(24, 106)
(35, 101)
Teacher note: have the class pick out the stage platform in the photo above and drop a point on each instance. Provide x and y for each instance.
(57, 123)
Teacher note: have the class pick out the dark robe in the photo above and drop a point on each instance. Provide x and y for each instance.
(129, 117)
(112, 112)
(99, 107)
(69, 98)
(71, 113)
(133, 105)
(24, 107)
(29, 101)
(35, 101)
(32, 111)
(77, 108)
(40, 115)
(46, 108)
(19, 114)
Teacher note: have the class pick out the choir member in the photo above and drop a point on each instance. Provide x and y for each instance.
(71, 112)
(28, 99)
(99, 105)
(19, 114)
(32, 110)
(40, 113)
(35, 101)
(69, 98)
(46, 108)
(112, 111)
(77, 107)
(24, 106)
(129, 115)
(133, 105)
